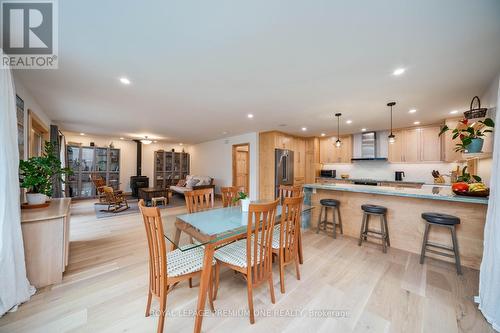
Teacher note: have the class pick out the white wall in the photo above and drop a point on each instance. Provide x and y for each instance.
(29, 104)
(214, 159)
(128, 151)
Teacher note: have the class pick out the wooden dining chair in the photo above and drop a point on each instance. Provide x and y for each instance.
(167, 269)
(287, 191)
(199, 200)
(229, 194)
(286, 236)
(252, 257)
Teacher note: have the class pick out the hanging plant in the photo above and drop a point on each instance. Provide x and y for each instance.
(469, 133)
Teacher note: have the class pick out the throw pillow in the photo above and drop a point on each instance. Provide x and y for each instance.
(192, 182)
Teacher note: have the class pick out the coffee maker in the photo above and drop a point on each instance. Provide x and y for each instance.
(399, 175)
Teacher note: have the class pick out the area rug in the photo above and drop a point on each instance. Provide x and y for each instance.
(101, 212)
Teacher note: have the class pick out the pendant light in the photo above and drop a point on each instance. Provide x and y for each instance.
(338, 143)
(392, 137)
(146, 141)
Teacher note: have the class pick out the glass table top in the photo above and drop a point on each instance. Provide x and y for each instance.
(219, 224)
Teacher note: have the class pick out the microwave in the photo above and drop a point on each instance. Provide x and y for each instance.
(328, 173)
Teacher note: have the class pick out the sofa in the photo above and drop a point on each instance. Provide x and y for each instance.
(193, 182)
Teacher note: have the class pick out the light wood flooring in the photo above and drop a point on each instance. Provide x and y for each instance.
(344, 288)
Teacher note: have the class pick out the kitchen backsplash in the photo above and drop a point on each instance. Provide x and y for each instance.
(385, 171)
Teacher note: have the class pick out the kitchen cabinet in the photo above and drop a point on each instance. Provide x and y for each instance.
(448, 147)
(299, 148)
(329, 153)
(416, 145)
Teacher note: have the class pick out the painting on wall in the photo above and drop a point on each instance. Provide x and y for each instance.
(20, 125)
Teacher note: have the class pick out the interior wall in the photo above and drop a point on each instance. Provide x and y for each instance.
(128, 152)
(214, 159)
(30, 103)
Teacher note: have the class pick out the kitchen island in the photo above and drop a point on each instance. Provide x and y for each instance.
(405, 206)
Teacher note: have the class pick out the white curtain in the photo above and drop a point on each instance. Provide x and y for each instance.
(489, 278)
(14, 286)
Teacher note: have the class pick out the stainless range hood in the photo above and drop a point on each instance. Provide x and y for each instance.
(370, 146)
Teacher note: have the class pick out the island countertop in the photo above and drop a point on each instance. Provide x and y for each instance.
(426, 192)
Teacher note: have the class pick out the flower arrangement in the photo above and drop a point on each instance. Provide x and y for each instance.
(470, 134)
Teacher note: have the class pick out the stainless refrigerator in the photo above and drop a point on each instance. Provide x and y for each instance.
(283, 168)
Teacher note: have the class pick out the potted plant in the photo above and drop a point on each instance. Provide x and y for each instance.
(244, 199)
(37, 173)
(471, 136)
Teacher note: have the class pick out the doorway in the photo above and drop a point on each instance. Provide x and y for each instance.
(241, 166)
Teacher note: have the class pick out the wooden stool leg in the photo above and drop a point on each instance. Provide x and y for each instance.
(361, 230)
(367, 227)
(319, 219)
(387, 230)
(455, 250)
(334, 221)
(424, 243)
(383, 234)
(340, 221)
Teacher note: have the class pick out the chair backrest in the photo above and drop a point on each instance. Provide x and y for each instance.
(291, 214)
(157, 248)
(109, 193)
(228, 195)
(261, 219)
(199, 200)
(287, 191)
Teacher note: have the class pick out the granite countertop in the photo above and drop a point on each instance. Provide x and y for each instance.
(373, 180)
(426, 192)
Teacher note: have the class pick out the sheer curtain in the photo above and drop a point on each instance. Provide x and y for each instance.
(14, 286)
(489, 276)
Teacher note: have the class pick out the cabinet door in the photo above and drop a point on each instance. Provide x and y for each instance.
(346, 149)
(411, 145)
(449, 154)
(396, 148)
(430, 144)
(327, 150)
(299, 157)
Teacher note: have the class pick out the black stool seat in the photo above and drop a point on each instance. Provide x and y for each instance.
(329, 202)
(374, 209)
(438, 218)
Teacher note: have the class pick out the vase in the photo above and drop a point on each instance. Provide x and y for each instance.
(36, 198)
(475, 146)
(244, 204)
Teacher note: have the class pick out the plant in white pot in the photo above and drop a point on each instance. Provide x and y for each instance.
(37, 173)
(244, 199)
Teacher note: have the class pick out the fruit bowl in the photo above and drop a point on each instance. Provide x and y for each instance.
(484, 193)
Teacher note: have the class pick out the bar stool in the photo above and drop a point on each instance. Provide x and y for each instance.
(323, 224)
(157, 200)
(383, 234)
(441, 220)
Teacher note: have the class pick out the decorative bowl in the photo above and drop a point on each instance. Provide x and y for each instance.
(484, 193)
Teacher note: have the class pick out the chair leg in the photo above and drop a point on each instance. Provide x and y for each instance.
(383, 234)
(319, 219)
(163, 306)
(282, 271)
(217, 274)
(297, 268)
(340, 221)
(367, 227)
(250, 298)
(211, 291)
(148, 304)
(190, 282)
(455, 250)
(362, 229)
(271, 287)
(387, 231)
(424, 242)
(334, 221)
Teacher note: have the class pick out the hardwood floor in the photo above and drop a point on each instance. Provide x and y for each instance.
(105, 289)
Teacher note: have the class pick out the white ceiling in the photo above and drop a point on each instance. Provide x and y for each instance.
(199, 67)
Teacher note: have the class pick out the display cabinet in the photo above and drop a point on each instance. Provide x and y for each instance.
(170, 167)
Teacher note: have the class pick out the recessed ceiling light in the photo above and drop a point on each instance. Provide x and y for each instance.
(363, 130)
(323, 134)
(82, 133)
(125, 80)
(250, 115)
(155, 141)
(180, 143)
(224, 133)
(348, 122)
(412, 111)
(454, 112)
(304, 129)
(416, 123)
(398, 71)
(122, 138)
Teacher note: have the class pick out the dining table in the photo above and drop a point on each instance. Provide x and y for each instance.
(212, 229)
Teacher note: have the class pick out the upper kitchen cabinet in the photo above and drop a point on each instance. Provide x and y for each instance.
(448, 147)
(329, 153)
(416, 145)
